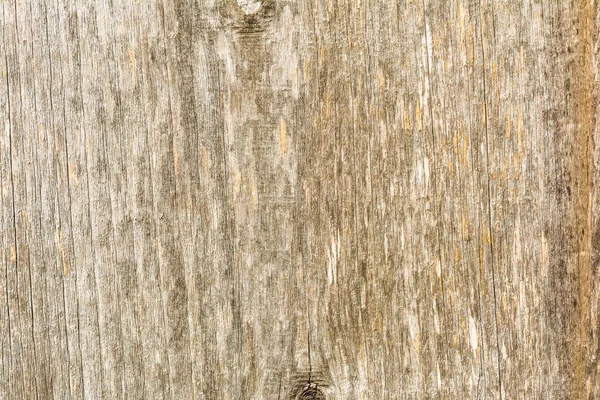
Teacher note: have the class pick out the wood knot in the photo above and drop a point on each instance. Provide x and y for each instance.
(249, 6)
(311, 392)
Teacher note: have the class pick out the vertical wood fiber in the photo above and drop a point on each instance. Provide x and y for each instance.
(276, 199)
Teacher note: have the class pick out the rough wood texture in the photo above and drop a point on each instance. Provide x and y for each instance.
(340, 199)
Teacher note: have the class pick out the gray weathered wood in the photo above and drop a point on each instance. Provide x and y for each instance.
(260, 199)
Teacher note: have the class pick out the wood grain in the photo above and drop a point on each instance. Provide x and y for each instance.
(260, 199)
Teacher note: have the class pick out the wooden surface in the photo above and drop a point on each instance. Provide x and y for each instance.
(340, 199)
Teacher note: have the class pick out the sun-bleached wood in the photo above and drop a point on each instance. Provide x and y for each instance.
(335, 199)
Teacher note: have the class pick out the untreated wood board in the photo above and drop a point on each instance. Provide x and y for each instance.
(328, 199)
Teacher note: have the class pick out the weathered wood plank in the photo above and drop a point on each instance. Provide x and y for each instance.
(239, 199)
